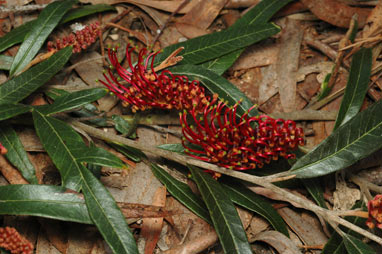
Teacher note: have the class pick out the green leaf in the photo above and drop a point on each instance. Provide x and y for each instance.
(85, 11)
(242, 196)
(44, 25)
(11, 110)
(217, 84)
(260, 14)
(356, 87)
(106, 215)
(43, 200)
(15, 36)
(356, 246)
(130, 152)
(5, 62)
(324, 89)
(101, 157)
(356, 139)
(178, 148)
(211, 46)
(63, 145)
(21, 86)
(315, 189)
(73, 100)
(124, 126)
(223, 213)
(182, 193)
(16, 153)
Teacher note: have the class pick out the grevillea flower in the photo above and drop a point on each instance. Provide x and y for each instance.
(11, 240)
(79, 40)
(375, 212)
(142, 88)
(3, 150)
(238, 143)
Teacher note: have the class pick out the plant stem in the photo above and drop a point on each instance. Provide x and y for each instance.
(330, 216)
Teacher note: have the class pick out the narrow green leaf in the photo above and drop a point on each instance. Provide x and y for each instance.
(217, 84)
(16, 153)
(182, 193)
(106, 215)
(21, 86)
(11, 110)
(85, 11)
(223, 213)
(258, 15)
(211, 46)
(101, 157)
(356, 246)
(44, 25)
(125, 127)
(356, 87)
(15, 36)
(315, 189)
(178, 148)
(356, 139)
(242, 196)
(62, 144)
(5, 62)
(73, 100)
(44, 201)
(130, 152)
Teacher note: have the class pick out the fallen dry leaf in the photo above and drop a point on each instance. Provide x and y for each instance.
(278, 241)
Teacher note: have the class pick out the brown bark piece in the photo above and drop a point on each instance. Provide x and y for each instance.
(152, 227)
(287, 64)
(204, 13)
(335, 12)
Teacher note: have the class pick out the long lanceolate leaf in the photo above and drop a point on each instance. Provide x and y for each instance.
(210, 46)
(354, 245)
(182, 193)
(44, 201)
(46, 22)
(242, 196)
(106, 215)
(217, 84)
(356, 139)
(223, 214)
(11, 110)
(16, 153)
(260, 14)
(356, 87)
(21, 86)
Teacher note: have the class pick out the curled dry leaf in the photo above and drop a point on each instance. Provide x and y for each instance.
(335, 12)
(278, 241)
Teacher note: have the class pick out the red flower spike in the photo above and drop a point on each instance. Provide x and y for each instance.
(11, 240)
(142, 88)
(3, 150)
(235, 143)
(80, 40)
(375, 212)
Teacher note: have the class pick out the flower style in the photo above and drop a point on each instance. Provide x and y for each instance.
(238, 143)
(11, 240)
(142, 88)
(80, 40)
(375, 212)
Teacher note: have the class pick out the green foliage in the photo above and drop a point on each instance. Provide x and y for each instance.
(223, 213)
(16, 153)
(44, 25)
(5, 62)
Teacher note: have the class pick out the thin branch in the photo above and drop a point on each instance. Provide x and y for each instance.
(328, 215)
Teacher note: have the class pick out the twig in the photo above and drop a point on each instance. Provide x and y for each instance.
(16, 8)
(327, 50)
(171, 60)
(365, 186)
(306, 115)
(159, 32)
(328, 215)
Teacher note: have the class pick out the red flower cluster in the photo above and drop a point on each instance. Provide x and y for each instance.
(11, 240)
(143, 88)
(219, 135)
(80, 40)
(375, 212)
(238, 143)
(3, 150)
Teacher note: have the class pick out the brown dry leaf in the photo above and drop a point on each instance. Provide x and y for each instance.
(190, 31)
(268, 87)
(278, 241)
(143, 211)
(335, 12)
(81, 239)
(241, 3)
(287, 64)
(43, 245)
(152, 227)
(203, 14)
(55, 233)
(258, 224)
(305, 225)
(169, 6)
(373, 22)
(344, 197)
(11, 173)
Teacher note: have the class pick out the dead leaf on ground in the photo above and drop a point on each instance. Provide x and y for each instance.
(278, 241)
